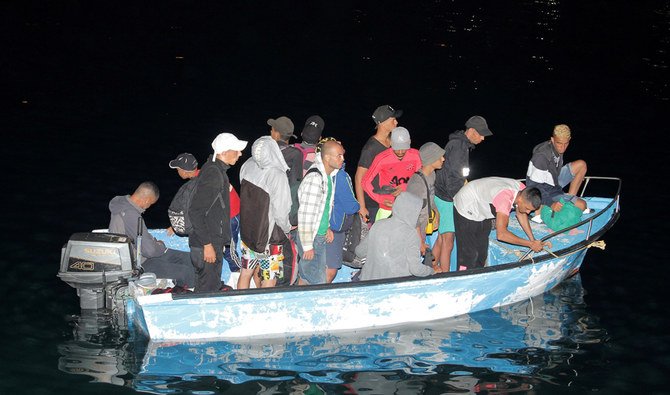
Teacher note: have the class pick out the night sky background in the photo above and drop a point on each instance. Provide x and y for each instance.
(96, 97)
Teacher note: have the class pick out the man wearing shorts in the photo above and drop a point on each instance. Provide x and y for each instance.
(264, 221)
(316, 195)
(449, 180)
(547, 172)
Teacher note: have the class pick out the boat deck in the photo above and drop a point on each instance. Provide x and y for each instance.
(499, 252)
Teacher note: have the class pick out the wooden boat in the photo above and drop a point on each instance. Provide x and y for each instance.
(511, 275)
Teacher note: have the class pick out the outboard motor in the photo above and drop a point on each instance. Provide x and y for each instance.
(94, 263)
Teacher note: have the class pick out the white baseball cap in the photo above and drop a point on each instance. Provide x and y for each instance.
(227, 141)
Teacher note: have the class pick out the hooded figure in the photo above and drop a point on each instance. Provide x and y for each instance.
(265, 170)
(393, 247)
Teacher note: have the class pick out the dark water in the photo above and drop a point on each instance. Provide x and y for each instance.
(99, 97)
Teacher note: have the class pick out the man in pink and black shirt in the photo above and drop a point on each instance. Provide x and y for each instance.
(484, 199)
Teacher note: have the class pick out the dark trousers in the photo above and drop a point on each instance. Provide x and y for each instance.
(173, 264)
(209, 274)
(472, 241)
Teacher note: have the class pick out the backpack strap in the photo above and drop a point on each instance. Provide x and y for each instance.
(219, 196)
(427, 191)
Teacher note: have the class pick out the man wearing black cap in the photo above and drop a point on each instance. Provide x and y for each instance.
(281, 130)
(451, 177)
(386, 119)
(311, 134)
(187, 168)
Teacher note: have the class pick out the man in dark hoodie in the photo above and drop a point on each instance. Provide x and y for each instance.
(451, 177)
(156, 258)
(210, 212)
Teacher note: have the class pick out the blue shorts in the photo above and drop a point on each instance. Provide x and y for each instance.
(334, 251)
(446, 210)
(314, 270)
(565, 177)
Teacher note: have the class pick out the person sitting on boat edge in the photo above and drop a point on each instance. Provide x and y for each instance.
(125, 212)
(390, 171)
(264, 215)
(210, 212)
(479, 201)
(422, 184)
(393, 247)
(316, 201)
(547, 172)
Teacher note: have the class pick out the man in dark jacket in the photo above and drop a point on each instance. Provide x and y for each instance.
(210, 212)
(451, 177)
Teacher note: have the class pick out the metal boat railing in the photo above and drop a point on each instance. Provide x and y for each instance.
(589, 220)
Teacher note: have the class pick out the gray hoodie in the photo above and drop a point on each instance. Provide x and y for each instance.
(393, 247)
(267, 169)
(123, 220)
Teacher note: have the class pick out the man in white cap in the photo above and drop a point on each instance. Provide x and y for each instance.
(210, 212)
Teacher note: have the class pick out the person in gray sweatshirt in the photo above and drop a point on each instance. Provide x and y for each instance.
(393, 247)
(155, 257)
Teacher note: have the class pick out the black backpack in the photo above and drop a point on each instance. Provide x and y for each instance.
(177, 212)
(353, 237)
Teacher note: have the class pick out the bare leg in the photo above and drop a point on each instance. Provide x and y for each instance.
(257, 277)
(447, 245)
(244, 280)
(268, 283)
(437, 249)
(578, 169)
(330, 275)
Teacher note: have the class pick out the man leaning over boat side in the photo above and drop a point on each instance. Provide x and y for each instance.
(547, 172)
(315, 195)
(264, 215)
(392, 248)
(210, 212)
(125, 212)
(474, 207)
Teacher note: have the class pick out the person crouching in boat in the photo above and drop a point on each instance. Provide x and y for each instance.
(473, 211)
(264, 221)
(393, 247)
(125, 211)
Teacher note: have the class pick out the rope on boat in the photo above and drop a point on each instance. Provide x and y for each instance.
(598, 244)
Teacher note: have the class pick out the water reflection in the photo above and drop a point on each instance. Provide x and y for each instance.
(508, 348)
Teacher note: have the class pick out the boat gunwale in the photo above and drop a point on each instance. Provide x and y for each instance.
(488, 269)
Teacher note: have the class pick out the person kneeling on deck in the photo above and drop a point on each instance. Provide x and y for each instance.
(264, 221)
(393, 247)
(481, 200)
(156, 258)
